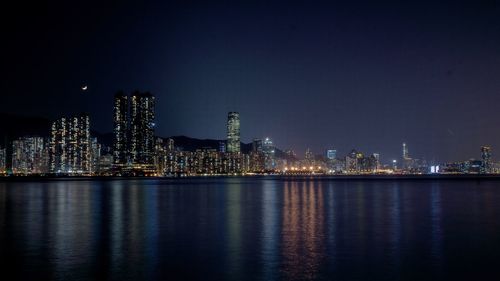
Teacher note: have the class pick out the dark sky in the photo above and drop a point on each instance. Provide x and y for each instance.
(366, 75)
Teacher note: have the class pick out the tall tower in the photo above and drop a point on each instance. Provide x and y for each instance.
(142, 128)
(269, 154)
(405, 151)
(233, 132)
(83, 150)
(3, 155)
(70, 150)
(120, 128)
(58, 142)
(486, 157)
(28, 156)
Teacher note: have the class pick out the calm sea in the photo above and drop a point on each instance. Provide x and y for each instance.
(250, 229)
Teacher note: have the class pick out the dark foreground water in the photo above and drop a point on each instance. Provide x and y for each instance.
(250, 229)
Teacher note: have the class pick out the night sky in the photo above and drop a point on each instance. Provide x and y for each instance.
(308, 74)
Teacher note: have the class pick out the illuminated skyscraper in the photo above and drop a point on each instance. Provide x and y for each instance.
(142, 125)
(376, 156)
(120, 128)
(80, 153)
(58, 146)
(70, 149)
(257, 158)
(269, 154)
(29, 156)
(406, 161)
(3, 160)
(486, 157)
(405, 151)
(233, 132)
(170, 144)
(351, 161)
(308, 158)
(331, 154)
(160, 155)
(95, 149)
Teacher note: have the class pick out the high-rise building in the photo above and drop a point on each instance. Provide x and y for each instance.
(29, 156)
(70, 150)
(142, 114)
(269, 154)
(486, 157)
(308, 155)
(351, 161)
(257, 145)
(222, 146)
(160, 156)
(170, 144)
(58, 146)
(405, 151)
(3, 160)
(332, 161)
(96, 155)
(257, 158)
(331, 154)
(120, 128)
(308, 158)
(408, 163)
(376, 156)
(233, 132)
(357, 162)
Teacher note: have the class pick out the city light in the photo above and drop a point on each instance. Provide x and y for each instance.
(136, 151)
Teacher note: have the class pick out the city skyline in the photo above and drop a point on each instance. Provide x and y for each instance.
(136, 150)
(350, 75)
(121, 102)
(250, 140)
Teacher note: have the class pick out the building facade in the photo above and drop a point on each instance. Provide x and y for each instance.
(486, 160)
(269, 154)
(3, 160)
(120, 129)
(257, 157)
(331, 154)
(142, 125)
(70, 149)
(29, 156)
(233, 132)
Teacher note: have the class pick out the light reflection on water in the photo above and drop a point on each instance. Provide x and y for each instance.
(250, 229)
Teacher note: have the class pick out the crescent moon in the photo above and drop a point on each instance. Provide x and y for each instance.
(84, 88)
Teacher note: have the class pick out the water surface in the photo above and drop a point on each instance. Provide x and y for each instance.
(250, 229)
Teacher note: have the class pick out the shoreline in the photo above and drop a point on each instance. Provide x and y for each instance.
(270, 177)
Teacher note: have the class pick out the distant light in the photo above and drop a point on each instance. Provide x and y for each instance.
(84, 88)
